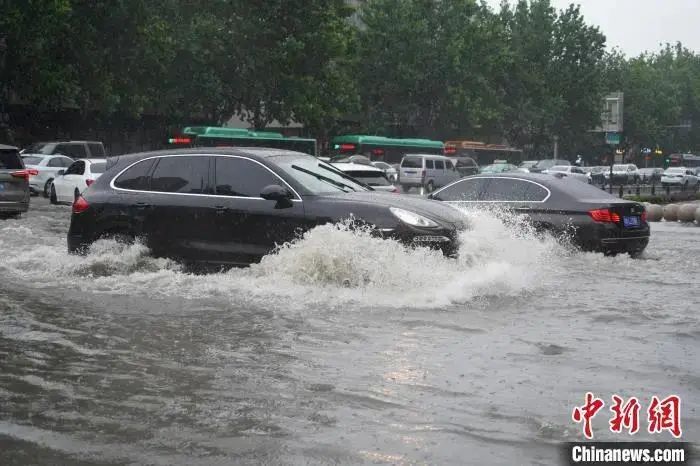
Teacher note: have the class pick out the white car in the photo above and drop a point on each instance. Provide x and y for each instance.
(369, 175)
(82, 173)
(388, 170)
(624, 173)
(47, 166)
(570, 171)
(679, 176)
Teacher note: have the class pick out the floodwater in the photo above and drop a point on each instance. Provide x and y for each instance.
(341, 348)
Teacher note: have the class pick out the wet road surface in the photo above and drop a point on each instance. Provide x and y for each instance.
(340, 349)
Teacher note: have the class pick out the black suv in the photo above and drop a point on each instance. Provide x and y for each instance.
(234, 205)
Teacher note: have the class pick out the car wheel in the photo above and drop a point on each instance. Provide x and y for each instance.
(52, 197)
(47, 187)
(429, 187)
(405, 188)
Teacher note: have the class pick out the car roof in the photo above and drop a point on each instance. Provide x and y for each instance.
(355, 167)
(437, 156)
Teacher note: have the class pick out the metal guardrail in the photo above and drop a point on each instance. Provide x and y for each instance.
(679, 192)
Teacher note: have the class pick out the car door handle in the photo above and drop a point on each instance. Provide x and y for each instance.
(142, 205)
(220, 210)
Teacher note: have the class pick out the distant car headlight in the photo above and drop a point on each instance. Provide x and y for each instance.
(412, 218)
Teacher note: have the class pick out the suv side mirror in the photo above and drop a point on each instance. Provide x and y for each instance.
(60, 173)
(275, 192)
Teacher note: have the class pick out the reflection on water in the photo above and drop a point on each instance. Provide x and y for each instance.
(340, 348)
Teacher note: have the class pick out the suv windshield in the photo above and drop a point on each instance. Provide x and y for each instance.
(369, 177)
(316, 176)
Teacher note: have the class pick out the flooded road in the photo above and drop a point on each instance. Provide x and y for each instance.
(340, 348)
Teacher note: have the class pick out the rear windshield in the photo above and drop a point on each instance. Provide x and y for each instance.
(32, 160)
(98, 167)
(620, 168)
(10, 160)
(412, 162)
(371, 178)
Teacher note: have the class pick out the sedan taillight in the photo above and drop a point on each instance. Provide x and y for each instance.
(80, 205)
(604, 216)
(89, 182)
(26, 173)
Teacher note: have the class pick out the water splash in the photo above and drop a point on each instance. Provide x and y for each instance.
(500, 255)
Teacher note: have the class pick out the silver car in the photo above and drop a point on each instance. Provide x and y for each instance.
(426, 171)
(14, 182)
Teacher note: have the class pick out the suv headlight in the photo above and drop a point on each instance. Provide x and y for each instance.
(412, 218)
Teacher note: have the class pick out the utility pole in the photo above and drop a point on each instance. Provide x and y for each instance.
(556, 147)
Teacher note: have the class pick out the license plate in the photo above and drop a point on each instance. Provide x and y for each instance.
(630, 221)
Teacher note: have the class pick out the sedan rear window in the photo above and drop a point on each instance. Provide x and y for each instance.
(412, 162)
(10, 160)
(371, 178)
(32, 160)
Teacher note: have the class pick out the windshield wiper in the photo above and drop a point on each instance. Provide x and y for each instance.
(335, 183)
(346, 176)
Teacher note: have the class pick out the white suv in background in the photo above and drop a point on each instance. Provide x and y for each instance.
(81, 174)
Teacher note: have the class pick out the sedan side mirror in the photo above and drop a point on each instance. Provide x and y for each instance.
(275, 192)
(60, 173)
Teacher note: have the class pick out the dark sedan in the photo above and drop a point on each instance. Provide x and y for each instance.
(596, 220)
(233, 206)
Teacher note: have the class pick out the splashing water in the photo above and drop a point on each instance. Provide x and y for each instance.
(499, 255)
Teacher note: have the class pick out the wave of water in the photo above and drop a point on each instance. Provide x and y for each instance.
(499, 255)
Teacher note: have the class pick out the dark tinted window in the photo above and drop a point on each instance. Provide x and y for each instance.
(429, 164)
(242, 177)
(465, 190)
(412, 162)
(466, 162)
(136, 177)
(97, 150)
(439, 164)
(10, 160)
(77, 168)
(187, 175)
(98, 167)
(76, 151)
(505, 190)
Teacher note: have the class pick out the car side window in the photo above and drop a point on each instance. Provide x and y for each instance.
(56, 162)
(76, 168)
(439, 165)
(510, 190)
(135, 177)
(429, 164)
(184, 175)
(464, 190)
(241, 177)
(67, 162)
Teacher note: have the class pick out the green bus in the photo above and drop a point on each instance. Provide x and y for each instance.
(387, 150)
(214, 136)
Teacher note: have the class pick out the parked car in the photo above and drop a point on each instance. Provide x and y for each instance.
(570, 172)
(626, 173)
(369, 175)
(499, 168)
(527, 165)
(542, 165)
(389, 170)
(650, 175)
(234, 205)
(14, 182)
(597, 220)
(426, 171)
(68, 184)
(596, 174)
(679, 176)
(46, 167)
(465, 166)
(72, 149)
